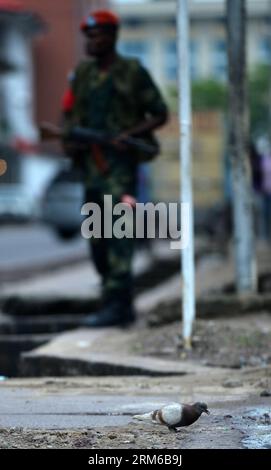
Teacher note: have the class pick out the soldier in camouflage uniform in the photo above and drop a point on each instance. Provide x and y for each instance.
(115, 95)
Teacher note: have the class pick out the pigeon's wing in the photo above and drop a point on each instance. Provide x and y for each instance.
(172, 414)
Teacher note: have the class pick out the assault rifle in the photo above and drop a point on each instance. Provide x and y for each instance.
(80, 135)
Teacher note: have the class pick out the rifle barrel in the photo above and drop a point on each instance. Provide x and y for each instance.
(83, 135)
(88, 135)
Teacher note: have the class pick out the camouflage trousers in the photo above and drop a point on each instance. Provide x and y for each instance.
(112, 257)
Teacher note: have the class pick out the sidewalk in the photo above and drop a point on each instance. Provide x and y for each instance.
(112, 351)
(79, 281)
(105, 381)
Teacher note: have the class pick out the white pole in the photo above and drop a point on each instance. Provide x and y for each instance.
(185, 123)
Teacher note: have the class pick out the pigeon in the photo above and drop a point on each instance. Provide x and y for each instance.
(175, 415)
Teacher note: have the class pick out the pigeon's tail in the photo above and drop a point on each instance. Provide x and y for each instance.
(144, 417)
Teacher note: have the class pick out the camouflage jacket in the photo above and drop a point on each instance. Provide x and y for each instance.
(113, 102)
(131, 94)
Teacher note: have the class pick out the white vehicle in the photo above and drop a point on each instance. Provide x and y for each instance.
(62, 202)
(17, 203)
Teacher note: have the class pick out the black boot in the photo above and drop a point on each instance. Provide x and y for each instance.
(116, 312)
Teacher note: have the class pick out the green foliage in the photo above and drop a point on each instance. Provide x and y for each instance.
(208, 94)
(212, 95)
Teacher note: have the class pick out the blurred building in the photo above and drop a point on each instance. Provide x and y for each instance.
(18, 28)
(40, 44)
(57, 51)
(149, 32)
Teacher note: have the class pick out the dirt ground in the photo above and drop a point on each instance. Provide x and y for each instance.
(234, 343)
(136, 437)
(235, 382)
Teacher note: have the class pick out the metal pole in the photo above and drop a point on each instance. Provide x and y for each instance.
(269, 67)
(244, 246)
(185, 123)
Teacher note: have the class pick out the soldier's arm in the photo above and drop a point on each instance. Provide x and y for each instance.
(152, 104)
(68, 116)
(154, 110)
(147, 125)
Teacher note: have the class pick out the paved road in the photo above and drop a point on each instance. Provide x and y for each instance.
(235, 421)
(30, 246)
(32, 409)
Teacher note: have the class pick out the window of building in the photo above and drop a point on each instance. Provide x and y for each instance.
(171, 60)
(135, 48)
(171, 70)
(219, 59)
(194, 59)
(264, 50)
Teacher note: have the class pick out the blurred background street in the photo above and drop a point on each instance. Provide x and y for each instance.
(34, 247)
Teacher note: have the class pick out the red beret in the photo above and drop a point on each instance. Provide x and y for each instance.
(100, 18)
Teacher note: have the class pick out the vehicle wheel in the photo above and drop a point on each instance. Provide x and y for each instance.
(67, 234)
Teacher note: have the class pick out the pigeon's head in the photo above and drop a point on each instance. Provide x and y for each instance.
(201, 407)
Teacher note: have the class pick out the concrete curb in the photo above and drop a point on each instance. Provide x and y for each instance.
(94, 352)
(36, 365)
(218, 306)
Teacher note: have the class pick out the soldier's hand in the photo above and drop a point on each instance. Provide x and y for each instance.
(73, 149)
(119, 142)
(49, 131)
